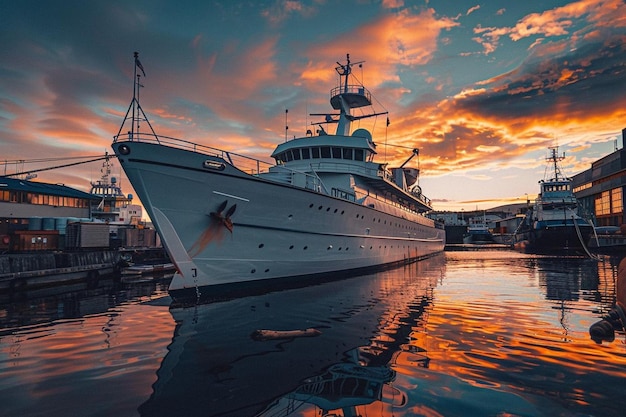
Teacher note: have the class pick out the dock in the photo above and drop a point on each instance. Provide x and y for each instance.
(31, 271)
(474, 246)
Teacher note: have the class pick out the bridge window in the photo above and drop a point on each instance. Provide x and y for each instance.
(296, 154)
(315, 153)
(358, 155)
(347, 153)
(306, 153)
(336, 153)
(325, 151)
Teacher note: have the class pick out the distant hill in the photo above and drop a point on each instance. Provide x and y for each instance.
(509, 208)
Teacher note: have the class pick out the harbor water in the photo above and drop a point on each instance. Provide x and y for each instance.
(467, 333)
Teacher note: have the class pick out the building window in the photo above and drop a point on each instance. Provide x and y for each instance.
(616, 200)
(603, 204)
(583, 187)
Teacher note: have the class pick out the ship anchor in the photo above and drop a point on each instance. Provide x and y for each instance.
(224, 219)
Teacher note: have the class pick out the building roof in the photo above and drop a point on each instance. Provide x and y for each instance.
(14, 184)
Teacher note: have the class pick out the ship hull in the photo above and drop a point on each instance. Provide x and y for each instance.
(221, 225)
(558, 238)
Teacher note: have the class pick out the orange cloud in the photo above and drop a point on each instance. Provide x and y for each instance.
(556, 22)
(401, 38)
(282, 10)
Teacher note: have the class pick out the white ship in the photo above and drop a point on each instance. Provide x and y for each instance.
(324, 207)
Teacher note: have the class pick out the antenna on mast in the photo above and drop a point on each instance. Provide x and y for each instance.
(286, 125)
(135, 103)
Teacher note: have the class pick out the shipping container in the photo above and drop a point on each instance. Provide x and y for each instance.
(81, 235)
(34, 240)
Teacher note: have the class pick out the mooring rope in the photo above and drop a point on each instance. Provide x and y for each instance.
(580, 238)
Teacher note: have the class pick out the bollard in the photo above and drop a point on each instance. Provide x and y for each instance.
(604, 330)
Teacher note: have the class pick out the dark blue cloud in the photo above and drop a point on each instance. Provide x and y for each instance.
(585, 81)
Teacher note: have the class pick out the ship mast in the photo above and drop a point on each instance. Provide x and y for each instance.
(345, 71)
(555, 158)
(135, 114)
(345, 97)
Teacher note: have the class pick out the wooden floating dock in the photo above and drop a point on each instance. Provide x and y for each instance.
(147, 269)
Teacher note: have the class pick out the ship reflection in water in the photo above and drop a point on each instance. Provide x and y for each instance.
(490, 333)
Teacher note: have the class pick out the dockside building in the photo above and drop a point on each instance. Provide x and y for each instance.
(600, 190)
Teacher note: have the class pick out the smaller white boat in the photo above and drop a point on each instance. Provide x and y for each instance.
(478, 232)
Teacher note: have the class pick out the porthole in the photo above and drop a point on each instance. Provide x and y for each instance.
(267, 270)
(124, 149)
(261, 245)
(319, 208)
(342, 211)
(291, 247)
(253, 271)
(335, 211)
(311, 205)
(305, 248)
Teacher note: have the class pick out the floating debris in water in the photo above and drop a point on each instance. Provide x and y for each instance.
(261, 335)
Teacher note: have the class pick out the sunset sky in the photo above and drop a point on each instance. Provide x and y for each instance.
(482, 88)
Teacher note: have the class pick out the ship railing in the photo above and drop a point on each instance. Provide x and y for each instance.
(404, 206)
(351, 89)
(281, 173)
(371, 173)
(343, 194)
(421, 197)
(245, 163)
(345, 167)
